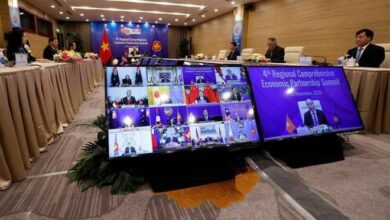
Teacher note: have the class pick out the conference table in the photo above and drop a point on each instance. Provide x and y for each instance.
(36, 102)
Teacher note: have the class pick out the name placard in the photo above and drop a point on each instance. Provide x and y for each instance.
(21, 59)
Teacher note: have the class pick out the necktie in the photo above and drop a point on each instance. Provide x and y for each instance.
(315, 120)
(358, 54)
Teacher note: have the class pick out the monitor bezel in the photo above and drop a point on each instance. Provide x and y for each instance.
(276, 139)
(229, 147)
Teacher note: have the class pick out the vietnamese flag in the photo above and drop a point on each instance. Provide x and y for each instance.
(290, 126)
(105, 48)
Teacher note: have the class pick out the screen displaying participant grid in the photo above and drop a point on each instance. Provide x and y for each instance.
(160, 109)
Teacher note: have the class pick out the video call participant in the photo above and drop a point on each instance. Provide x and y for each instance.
(314, 117)
(138, 77)
(367, 54)
(127, 81)
(230, 75)
(233, 51)
(201, 99)
(200, 80)
(236, 96)
(130, 150)
(274, 52)
(115, 81)
(51, 49)
(129, 99)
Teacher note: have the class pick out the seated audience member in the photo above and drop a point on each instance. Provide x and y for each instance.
(129, 99)
(71, 46)
(202, 99)
(26, 45)
(16, 42)
(233, 51)
(367, 54)
(51, 49)
(115, 81)
(274, 52)
(127, 81)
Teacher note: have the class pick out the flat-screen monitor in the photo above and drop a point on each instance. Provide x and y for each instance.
(301, 101)
(154, 109)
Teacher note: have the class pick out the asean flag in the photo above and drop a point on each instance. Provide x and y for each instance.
(105, 48)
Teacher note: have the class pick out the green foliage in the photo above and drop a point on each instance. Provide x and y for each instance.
(94, 168)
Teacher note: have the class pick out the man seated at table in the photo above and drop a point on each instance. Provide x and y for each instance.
(274, 52)
(202, 99)
(367, 54)
(233, 51)
(51, 49)
(129, 99)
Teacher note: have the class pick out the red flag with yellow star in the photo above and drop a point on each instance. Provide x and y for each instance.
(105, 48)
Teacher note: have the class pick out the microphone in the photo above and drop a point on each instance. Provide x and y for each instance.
(317, 63)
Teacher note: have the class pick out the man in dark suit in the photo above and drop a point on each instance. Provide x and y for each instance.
(201, 99)
(367, 54)
(234, 52)
(314, 117)
(129, 99)
(274, 52)
(200, 80)
(236, 96)
(130, 150)
(51, 49)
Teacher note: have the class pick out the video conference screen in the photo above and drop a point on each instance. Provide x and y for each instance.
(301, 101)
(165, 108)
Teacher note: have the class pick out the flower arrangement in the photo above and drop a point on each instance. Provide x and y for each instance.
(257, 58)
(91, 55)
(68, 56)
(199, 56)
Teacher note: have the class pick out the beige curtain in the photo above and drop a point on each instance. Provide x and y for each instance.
(175, 36)
(83, 28)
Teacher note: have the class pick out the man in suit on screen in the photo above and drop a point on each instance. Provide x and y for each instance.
(129, 99)
(314, 117)
(201, 99)
(367, 54)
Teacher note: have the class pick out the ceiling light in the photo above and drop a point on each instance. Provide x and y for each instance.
(176, 19)
(233, 2)
(103, 19)
(21, 13)
(122, 20)
(160, 19)
(52, 6)
(193, 20)
(185, 23)
(161, 3)
(141, 18)
(82, 15)
(61, 12)
(203, 16)
(122, 16)
(156, 22)
(216, 10)
(169, 24)
(102, 16)
(129, 10)
(86, 20)
(67, 18)
(139, 21)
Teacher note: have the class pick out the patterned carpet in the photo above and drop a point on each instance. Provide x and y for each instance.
(359, 186)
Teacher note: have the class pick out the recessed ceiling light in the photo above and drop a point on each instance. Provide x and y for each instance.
(141, 18)
(161, 3)
(216, 10)
(122, 20)
(129, 10)
(169, 24)
(82, 15)
(52, 6)
(103, 19)
(185, 23)
(156, 22)
(67, 18)
(176, 19)
(122, 16)
(193, 20)
(21, 13)
(61, 12)
(203, 16)
(102, 16)
(87, 20)
(233, 2)
(160, 19)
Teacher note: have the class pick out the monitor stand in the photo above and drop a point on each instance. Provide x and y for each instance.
(307, 151)
(166, 172)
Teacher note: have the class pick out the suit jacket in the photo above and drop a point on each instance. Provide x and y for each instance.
(49, 52)
(372, 56)
(276, 55)
(126, 101)
(138, 78)
(320, 117)
(115, 80)
(237, 97)
(233, 55)
(231, 77)
(126, 82)
(204, 99)
(201, 80)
